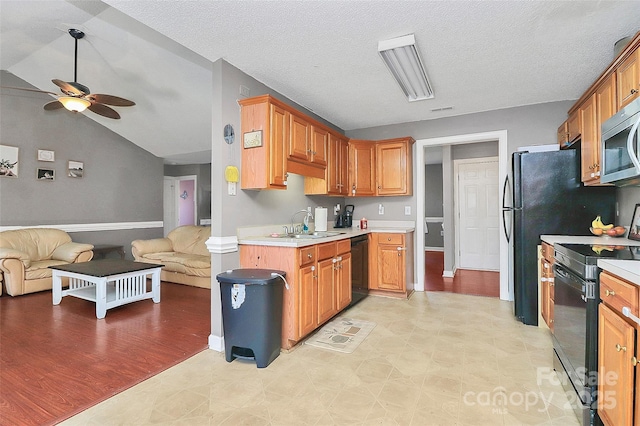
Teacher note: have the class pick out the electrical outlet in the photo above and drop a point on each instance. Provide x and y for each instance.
(407, 210)
(308, 209)
(380, 208)
(231, 188)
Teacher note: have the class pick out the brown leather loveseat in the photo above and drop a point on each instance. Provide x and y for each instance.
(26, 254)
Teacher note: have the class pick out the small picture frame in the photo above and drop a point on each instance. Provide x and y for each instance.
(634, 229)
(46, 174)
(46, 155)
(8, 161)
(75, 169)
(253, 139)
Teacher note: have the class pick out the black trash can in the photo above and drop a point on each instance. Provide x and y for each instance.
(252, 314)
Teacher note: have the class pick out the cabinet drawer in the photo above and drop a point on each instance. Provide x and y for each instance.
(344, 246)
(617, 293)
(326, 250)
(391, 239)
(307, 255)
(548, 252)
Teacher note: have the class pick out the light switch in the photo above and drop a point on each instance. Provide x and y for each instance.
(407, 210)
(380, 209)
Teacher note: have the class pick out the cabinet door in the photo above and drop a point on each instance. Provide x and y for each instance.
(615, 351)
(299, 138)
(326, 290)
(589, 139)
(574, 126)
(388, 262)
(319, 142)
(628, 78)
(307, 300)
(362, 160)
(279, 139)
(563, 135)
(343, 281)
(393, 170)
(338, 153)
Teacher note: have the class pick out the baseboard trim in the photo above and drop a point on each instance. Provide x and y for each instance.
(448, 274)
(91, 227)
(216, 343)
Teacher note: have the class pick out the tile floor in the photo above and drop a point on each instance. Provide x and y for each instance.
(436, 359)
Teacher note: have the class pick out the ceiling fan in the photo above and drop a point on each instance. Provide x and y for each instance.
(77, 97)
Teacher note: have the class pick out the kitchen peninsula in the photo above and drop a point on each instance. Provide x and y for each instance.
(318, 269)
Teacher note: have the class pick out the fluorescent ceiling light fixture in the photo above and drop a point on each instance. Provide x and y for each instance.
(401, 57)
(74, 104)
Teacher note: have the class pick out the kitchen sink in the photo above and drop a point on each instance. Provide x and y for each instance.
(319, 234)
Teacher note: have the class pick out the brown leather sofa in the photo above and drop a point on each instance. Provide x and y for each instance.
(183, 253)
(26, 254)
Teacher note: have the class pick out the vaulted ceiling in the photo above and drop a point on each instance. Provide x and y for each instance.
(479, 55)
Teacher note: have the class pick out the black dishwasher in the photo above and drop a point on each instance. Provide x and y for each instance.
(359, 268)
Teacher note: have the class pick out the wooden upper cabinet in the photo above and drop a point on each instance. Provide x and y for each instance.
(574, 125)
(587, 113)
(337, 165)
(319, 142)
(628, 77)
(394, 166)
(362, 169)
(264, 164)
(300, 138)
(563, 135)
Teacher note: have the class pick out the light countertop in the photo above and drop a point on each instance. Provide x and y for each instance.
(260, 236)
(626, 269)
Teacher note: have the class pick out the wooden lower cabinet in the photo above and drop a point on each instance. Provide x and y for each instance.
(319, 278)
(307, 300)
(617, 353)
(390, 256)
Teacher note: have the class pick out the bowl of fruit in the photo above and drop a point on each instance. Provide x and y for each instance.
(600, 229)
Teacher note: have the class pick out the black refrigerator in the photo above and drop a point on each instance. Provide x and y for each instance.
(547, 197)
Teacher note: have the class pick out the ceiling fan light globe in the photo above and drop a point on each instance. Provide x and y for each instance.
(74, 104)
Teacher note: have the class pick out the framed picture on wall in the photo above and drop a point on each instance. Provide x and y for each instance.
(634, 229)
(46, 174)
(46, 155)
(8, 161)
(75, 169)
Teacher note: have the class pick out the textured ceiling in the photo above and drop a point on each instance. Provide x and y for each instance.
(480, 56)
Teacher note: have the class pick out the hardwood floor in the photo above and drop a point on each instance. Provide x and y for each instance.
(56, 361)
(479, 283)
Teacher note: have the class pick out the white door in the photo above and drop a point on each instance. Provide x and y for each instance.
(477, 227)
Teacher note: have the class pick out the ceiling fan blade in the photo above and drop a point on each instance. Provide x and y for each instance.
(53, 105)
(110, 100)
(29, 90)
(71, 88)
(104, 111)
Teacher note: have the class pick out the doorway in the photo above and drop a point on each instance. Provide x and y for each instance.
(180, 202)
(449, 234)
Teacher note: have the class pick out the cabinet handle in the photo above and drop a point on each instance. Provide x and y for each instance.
(634, 91)
(634, 361)
(309, 255)
(620, 348)
(609, 293)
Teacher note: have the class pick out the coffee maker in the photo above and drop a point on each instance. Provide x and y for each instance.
(345, 218)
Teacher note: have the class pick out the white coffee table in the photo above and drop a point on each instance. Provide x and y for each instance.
(108, 283)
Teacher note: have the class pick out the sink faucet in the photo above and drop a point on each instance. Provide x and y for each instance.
(296, 229)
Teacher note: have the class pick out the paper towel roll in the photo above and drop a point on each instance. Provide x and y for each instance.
(321, 219)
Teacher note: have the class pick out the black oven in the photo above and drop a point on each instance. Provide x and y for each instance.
(575, 315)
(575, 338)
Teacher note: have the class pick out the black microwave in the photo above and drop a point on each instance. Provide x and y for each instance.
(621, 147)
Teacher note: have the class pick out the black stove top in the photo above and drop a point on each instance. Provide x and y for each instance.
(590, 253)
